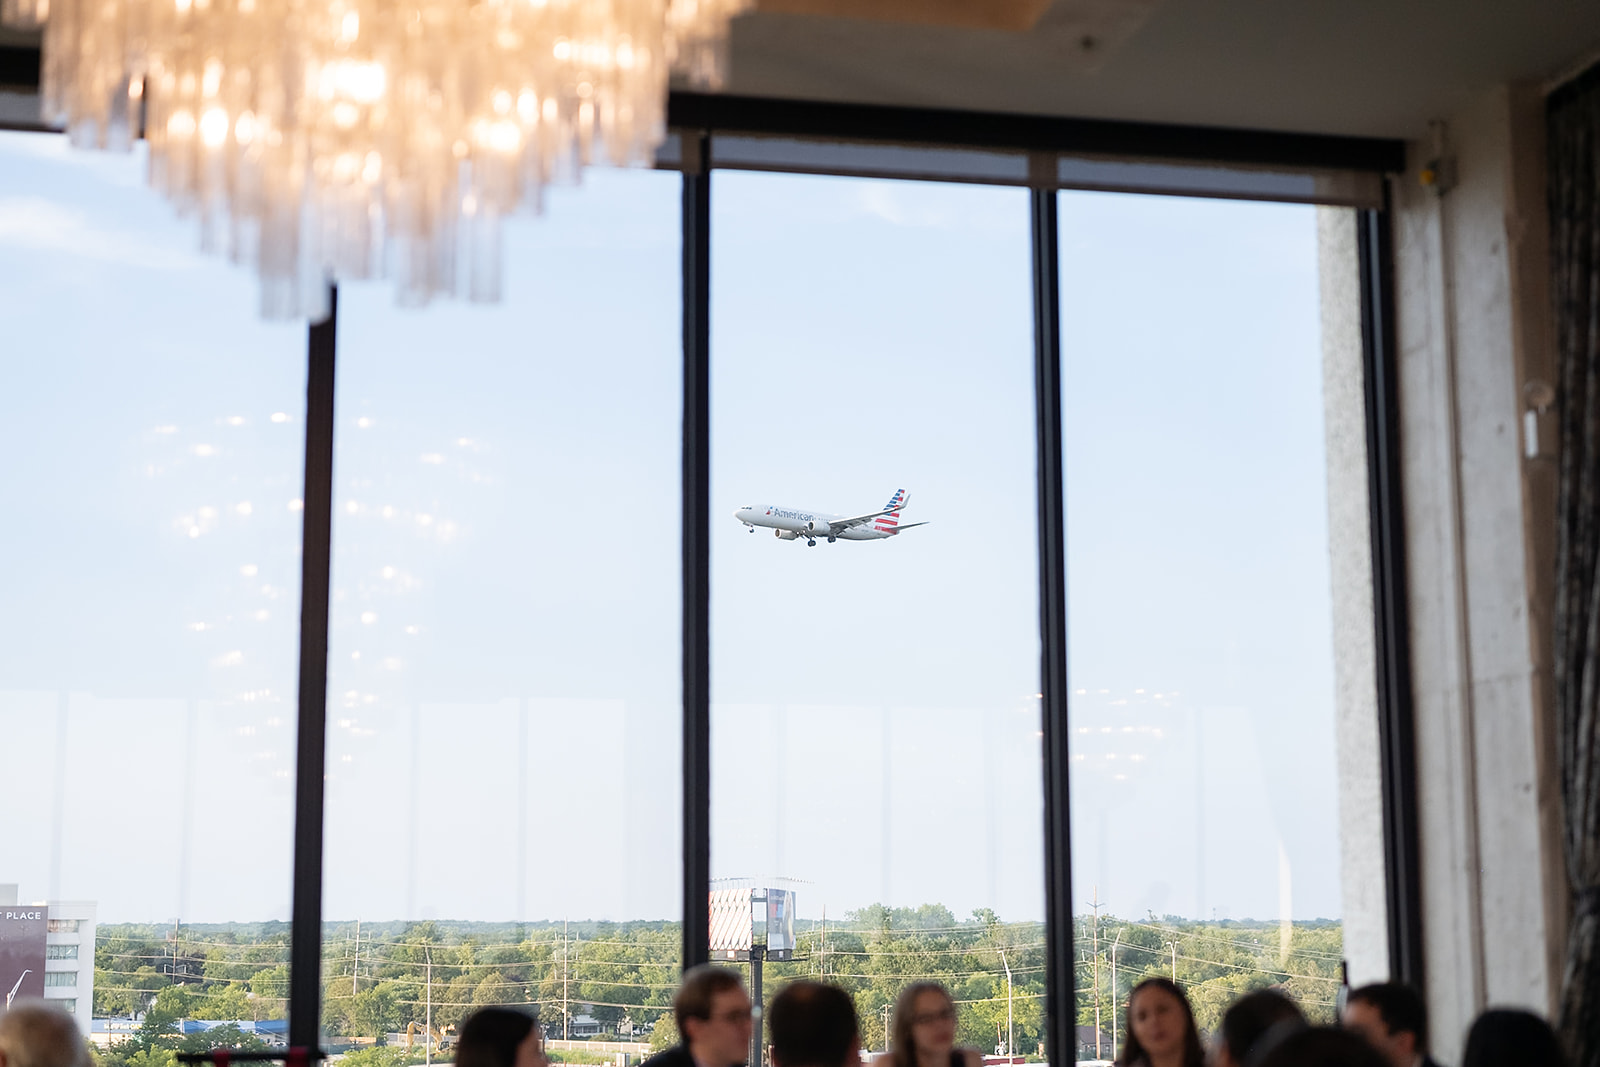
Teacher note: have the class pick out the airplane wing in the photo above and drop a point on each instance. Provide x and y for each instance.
(840, 525)
(908, 526)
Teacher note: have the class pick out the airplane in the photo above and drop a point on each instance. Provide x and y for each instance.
(791, 524)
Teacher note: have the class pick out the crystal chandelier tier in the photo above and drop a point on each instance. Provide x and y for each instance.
(346, 139)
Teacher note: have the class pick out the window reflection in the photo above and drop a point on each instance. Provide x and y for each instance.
(875, 721)
(504, 713)
(1201, 654)
(147, 650)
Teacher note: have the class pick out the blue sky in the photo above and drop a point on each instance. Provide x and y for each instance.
(503, 690)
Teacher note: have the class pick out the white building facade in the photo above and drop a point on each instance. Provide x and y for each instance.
(69, 958)
(66, 957)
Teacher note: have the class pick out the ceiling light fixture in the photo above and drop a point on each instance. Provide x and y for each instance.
(345, 139)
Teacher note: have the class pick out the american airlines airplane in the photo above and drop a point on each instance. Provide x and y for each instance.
(791, 524)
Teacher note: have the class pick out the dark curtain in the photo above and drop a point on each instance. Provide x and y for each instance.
(1574, 147)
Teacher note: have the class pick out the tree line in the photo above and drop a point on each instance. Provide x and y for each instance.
(386, 978)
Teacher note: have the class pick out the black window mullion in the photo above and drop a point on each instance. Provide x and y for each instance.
(1391, 626)
(1060, 994)
(696, 518)
(305, 952)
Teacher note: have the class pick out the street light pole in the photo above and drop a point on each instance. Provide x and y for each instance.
(1094, 963)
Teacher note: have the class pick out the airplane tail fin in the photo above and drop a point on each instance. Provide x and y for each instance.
(889, 522)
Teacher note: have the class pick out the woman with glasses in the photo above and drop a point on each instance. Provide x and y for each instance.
(923, 1033)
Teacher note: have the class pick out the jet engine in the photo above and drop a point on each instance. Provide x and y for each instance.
(819, 525)
(785, 535)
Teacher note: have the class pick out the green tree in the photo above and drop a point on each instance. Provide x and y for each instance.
(665, 1032)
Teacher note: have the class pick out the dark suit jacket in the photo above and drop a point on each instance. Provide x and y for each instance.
(676, 1056)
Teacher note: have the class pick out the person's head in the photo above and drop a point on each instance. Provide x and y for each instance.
(813, 1025)
(36, 1033)
(500, 1037)
(924, 1025)
(1161, 1024)
(1503, 1038)
(1322, 1046)
(1393, 1019)
(1248, 1020)
(713, 1015)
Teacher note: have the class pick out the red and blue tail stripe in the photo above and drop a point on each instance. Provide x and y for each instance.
(890, 522)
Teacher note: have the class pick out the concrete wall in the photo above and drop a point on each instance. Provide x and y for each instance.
(1365, 908)
(1472, 326)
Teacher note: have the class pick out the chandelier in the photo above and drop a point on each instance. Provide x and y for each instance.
(346, 139)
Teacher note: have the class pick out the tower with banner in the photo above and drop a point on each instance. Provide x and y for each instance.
(752, 924)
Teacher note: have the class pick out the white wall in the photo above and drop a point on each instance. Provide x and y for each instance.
(1469, 271)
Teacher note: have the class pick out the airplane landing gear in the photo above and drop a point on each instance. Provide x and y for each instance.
(811, 543)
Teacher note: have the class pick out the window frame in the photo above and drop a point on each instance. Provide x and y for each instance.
(695, 121)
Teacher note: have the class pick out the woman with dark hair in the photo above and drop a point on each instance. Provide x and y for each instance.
(1250, 1019)
(923, 1033)
(500, 1037)
(1503, 1037)
(1161, 1030)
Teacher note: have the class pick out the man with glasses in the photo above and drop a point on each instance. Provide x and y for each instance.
(714, 1021)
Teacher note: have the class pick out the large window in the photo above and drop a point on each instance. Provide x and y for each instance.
(152, 426)
(505, 702)
(1204, 793)
(503, 824)
(875, 720)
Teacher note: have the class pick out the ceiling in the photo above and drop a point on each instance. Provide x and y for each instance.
(1370, 68)
(1376, 68)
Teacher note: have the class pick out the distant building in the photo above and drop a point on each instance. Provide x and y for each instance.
(271, 1031)
(103, 1033)
(585, 1026)
(1086, 1046)
(47, 950)
(113, 1031)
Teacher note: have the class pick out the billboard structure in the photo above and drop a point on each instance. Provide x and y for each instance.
(755, 925)
(752, 923)
(22, 939)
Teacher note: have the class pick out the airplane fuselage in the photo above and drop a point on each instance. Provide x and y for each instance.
(792, 523)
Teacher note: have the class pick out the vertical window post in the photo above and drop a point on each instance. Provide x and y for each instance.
(316, 565)
(1060, 996)
(1402, 842)
(696, 509)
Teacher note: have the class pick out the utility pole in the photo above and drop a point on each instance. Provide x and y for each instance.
(355, 966)
(1114, 946)
(1094, 962)
(1174, 945)
(758, 1049)
(566, 974)
(427, 1025)
(1011, 1033)
(885, 1014)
